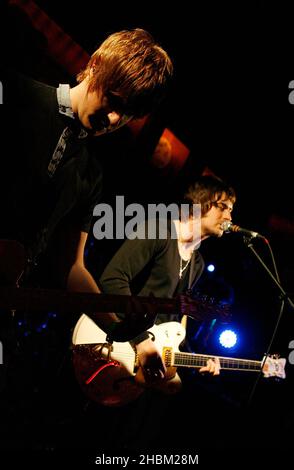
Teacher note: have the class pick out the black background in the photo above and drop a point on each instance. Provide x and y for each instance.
(229, 105)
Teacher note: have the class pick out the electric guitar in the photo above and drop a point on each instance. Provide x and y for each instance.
(110, 374)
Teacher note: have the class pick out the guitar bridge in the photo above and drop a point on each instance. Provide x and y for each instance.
(94, 351)
(98, 349)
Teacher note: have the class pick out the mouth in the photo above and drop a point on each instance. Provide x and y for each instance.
(99, 122)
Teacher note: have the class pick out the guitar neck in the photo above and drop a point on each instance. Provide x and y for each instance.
(22, 298)
(198, 360)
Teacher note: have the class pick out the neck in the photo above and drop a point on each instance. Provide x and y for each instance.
(188, 233)
(76, 95)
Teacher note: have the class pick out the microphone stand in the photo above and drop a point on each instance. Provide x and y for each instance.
(284, 295)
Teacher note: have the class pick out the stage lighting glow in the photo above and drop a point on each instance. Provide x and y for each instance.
(211, 268)
(228, 338)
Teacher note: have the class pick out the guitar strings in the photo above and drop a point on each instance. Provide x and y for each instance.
(201, 360)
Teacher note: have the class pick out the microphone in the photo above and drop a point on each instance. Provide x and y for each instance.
(230, 227)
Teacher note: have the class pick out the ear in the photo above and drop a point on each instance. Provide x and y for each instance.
(93, 67)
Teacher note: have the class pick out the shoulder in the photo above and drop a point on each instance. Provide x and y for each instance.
(25, 91)
(154, 231)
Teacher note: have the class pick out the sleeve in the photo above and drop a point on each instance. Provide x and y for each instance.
(129, 260)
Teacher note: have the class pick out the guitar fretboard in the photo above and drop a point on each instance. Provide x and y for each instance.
(198, 360)
(38, 299)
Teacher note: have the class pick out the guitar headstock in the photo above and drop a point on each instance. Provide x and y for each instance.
(274, 367)
(203, 307)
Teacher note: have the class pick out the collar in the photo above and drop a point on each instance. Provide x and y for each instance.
(64, 106)
(63, 98)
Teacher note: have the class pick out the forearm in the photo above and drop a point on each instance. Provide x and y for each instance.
(80, 280)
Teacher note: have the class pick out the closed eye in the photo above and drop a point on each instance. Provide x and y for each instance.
(222, 206)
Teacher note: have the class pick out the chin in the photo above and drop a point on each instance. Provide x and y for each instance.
(218, 233)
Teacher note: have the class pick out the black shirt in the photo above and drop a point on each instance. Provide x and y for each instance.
(33, 204)
(149, 266)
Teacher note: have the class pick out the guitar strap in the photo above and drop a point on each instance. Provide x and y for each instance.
(191, 276)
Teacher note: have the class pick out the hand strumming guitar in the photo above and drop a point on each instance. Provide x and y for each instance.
(150, 361)
(153, 368)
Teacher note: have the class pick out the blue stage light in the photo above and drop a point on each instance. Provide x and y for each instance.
(210, 268)
(228, 338)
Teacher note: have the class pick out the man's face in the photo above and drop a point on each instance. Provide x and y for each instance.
(99, 115)
(211, 222)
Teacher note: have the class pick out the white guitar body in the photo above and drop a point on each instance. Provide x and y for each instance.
(121, 381)
(110, 374)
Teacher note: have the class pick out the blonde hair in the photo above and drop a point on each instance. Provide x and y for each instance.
(131, 69)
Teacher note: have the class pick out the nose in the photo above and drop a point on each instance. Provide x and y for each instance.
(228, 215)
(114, 118)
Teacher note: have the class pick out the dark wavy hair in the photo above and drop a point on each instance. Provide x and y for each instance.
(207, 190)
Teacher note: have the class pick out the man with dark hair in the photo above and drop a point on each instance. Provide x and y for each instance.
(162, 267)
(166, 267)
